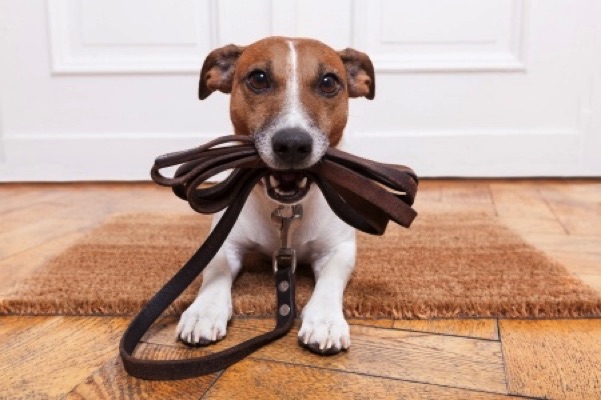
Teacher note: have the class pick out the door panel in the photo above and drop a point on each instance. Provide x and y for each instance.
(95, 90)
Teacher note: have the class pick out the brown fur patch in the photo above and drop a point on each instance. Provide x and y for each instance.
(360, 73)
(250, 111)
(328, 113)
(228, 68)
(217, 70)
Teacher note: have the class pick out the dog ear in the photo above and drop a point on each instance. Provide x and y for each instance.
(359, 72)
(218, 70)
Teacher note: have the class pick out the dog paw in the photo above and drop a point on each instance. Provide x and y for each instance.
(204, 322)
(324, 331)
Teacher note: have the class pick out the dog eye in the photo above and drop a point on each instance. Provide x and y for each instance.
(329, 84)
(258, 80)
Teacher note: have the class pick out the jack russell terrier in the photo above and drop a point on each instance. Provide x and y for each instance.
(291, 95)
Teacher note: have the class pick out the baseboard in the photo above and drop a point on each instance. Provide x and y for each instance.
(500, 153)
(115, 157)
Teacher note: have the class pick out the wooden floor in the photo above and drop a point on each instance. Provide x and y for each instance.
(75, 357)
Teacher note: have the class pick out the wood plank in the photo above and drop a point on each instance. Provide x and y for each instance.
(443, 207)
(586, 266)
(15, 219)
(428, 192)
(460, 197)
(74, 210)
(467, 192)
(272, 380)
(578, 263)
(26, 228)
(593, 281)
(558, 359)
(22, 264)
(155, 199)
(10, 326)
(112, 382)
(45, 357)
(421, 357)
(379, 323)
(527, 225)
(17, 198)
(564, 243)
(30, 236)
(578, 210)
(475, 328)
(589, 189)
(119, 199)
(84, 200)
(520, 201)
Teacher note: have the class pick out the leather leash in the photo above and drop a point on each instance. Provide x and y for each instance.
(363, 193)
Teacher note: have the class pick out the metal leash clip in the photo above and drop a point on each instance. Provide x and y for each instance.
(285, 255)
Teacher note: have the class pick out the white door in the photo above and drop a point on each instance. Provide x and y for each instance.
(95, 89)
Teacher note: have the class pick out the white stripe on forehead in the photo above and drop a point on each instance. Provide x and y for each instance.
(293, 110)
(292, 95)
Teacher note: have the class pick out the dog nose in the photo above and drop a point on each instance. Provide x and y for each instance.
(292, 145)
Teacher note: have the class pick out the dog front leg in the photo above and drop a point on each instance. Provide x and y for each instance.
(205, 321)
(324, 329)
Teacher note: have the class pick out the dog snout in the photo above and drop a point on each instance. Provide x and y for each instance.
(292, 146)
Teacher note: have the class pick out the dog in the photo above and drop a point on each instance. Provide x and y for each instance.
(291, 95)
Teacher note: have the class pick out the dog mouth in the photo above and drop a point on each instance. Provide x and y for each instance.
(287, 187)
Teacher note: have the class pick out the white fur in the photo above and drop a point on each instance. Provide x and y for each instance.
(321, 239)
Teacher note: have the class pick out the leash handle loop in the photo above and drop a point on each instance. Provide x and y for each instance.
(363, 193)
(182, 369)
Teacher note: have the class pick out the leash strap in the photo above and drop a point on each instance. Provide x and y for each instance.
(363, 193)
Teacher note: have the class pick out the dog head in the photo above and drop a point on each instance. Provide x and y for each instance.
(291, 95)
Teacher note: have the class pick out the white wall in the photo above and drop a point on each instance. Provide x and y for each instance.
(96, 89)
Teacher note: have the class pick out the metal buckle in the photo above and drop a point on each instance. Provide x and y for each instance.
(285, 255)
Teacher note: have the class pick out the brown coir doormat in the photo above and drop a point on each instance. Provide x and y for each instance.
(449, 265)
